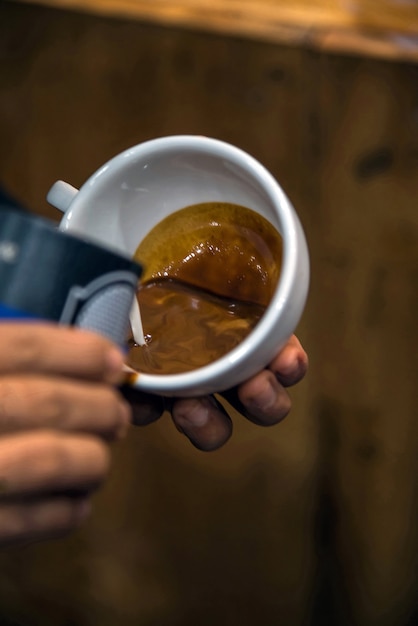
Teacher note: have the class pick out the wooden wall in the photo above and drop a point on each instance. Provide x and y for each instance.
(313, 522)
(385, 29)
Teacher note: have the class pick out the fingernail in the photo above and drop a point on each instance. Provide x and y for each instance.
(194, 412)
(114, 365)
(265, 398)
(289, 361)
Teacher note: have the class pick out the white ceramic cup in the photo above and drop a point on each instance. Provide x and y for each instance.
(121, 202)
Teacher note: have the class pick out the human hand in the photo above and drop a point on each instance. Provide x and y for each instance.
(263, 400)
(59, 410)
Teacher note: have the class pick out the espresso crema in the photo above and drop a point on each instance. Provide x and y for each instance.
(209, 273)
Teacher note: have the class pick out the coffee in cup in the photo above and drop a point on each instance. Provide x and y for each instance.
(211, 270)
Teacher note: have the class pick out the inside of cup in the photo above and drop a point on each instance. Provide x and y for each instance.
(121, 203)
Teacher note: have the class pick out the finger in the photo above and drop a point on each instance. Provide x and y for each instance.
(41, 519)
(36, 402)
(262, 399)
(291, 364)
(145, 407)
(47, 462)
(203, 420)
(48, 348)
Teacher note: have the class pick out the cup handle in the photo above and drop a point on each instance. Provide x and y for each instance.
(61, 195)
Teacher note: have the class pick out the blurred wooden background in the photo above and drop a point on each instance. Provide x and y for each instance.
(313, 522)
(386, 28)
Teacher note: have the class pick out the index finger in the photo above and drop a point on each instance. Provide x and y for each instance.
(51, 349)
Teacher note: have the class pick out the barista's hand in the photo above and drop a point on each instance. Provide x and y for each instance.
(59, 410)
(263, 399)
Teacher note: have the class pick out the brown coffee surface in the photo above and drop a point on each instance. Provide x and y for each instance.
(210, 272)
(187, 327)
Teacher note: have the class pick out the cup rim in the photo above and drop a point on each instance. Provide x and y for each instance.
(287, 219)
